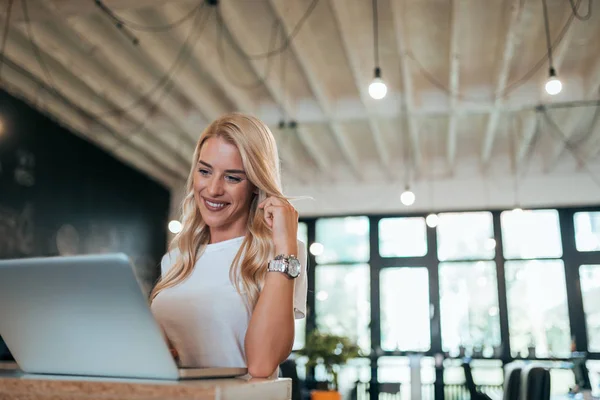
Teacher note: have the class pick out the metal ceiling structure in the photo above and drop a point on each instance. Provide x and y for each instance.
(465, 81)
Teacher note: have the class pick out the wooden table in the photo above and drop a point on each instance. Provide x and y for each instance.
(16, 385)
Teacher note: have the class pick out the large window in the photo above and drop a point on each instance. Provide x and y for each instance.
(589, 276)
(466, 236)
(536, 293)
(464, 261)
(469, 307)
(342, 279)
(343, 239)
(402, 237)
(531, 234)
(587, 231)
(343, 303)
(405, 309)
(538, 317)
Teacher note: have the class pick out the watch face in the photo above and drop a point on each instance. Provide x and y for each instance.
(294, 267)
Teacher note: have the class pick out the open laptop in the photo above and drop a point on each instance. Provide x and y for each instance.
(85, 315)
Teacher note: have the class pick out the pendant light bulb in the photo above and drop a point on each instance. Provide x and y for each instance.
(377, 88)
(407, 197)
(432, 220)
(553, 84)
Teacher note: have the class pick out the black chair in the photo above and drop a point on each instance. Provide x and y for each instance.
(470, 383)
(512, 381)
(535, 383)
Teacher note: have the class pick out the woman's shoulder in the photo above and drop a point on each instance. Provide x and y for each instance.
(168, 260)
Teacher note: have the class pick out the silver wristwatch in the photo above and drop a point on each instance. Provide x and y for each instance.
(289, 265)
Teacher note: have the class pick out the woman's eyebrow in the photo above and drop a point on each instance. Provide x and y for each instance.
(229, 171)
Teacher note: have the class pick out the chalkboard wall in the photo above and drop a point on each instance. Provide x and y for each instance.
(61, 195)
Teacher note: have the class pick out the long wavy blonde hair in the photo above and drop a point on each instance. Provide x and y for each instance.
(260, 158)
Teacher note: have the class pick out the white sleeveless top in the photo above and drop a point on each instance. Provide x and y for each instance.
(204, 317)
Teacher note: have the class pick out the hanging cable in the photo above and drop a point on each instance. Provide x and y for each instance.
(574, 7)
(36, 51)
(144, 28)
(224, 33)
(144, 98)
(164, 80)
(196, 29)
(5, 35)
(548, 39)
(288, 39)
(376, 34)
(510, 87)
(559, 134)
(118, 23)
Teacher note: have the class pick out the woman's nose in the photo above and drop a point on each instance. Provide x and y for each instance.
(215, 187)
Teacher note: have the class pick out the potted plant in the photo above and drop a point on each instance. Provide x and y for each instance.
(331, 351)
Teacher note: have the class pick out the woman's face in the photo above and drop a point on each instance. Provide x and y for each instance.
(222, 190)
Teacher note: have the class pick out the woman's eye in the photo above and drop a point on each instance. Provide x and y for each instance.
(233, 179)
(203, 171)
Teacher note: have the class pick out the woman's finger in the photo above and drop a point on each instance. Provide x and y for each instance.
(268, 215)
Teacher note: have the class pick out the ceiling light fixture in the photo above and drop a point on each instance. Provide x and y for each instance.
(377, 88)
(553, 84)
(407, 197)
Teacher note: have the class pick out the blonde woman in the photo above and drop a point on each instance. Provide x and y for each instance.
(235, 276)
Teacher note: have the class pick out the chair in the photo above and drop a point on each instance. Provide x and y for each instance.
(470, 383)
(512, 381)
(535, 383)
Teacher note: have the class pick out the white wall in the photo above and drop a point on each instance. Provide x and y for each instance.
(567, 185)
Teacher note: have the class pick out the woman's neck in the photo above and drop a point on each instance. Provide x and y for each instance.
(226, 233)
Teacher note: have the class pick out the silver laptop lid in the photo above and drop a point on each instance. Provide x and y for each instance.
(80, 315)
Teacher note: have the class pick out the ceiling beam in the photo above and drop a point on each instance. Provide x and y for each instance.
(530, 128)
(108, 84)
(591, 145)
(575, 116)
(407, 85)
(206, 56)
(518, 18)
(163, 51)
(63, 81)
(573, 123)
(455, 21)
(108, 46)
(79, 8)
(350, 36)
(301, 49)
(236, 26)
(22, 83)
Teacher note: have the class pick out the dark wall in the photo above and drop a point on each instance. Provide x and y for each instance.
(61, 195)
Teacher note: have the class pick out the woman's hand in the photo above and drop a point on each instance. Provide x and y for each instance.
(282, 218)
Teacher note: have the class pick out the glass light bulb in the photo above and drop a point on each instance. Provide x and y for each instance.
(316, 249)
(407, 198)
(377, 89)
(175, 226)
(553, 86)
(432, 220)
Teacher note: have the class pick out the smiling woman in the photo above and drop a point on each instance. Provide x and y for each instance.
(235, 276)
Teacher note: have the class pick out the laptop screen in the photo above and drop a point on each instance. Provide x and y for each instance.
(4, 353)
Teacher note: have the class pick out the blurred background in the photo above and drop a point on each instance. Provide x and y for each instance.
(450, 149)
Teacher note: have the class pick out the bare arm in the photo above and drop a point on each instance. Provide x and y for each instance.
(270, 334)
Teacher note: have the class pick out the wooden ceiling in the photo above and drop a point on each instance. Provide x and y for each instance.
(465, 81)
